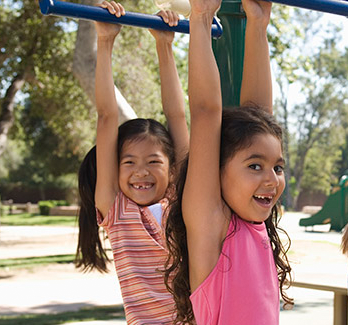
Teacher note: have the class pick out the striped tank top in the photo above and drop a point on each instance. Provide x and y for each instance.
(138, 247)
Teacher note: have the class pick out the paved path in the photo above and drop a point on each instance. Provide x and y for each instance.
(314, 255)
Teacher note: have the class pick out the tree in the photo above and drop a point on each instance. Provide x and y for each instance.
(49, 118)
(22, 49)
(85, 61)
(313, 125)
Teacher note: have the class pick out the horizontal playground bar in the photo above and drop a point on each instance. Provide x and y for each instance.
(72, 10)
(338, 7)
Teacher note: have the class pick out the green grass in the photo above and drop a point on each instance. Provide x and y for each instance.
(84, 314)
(29, 219)
(30, 262)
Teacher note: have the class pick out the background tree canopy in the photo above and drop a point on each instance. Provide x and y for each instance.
(47, 116)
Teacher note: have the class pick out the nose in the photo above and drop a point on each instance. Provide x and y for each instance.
(141, 171)
(272, 179)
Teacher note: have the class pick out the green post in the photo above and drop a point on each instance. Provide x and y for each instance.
(229, 50)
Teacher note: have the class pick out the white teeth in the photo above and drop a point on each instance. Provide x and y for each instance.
(263, 197)
(140, 187)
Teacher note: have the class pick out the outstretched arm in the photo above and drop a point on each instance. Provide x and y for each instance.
(257, 81)
(107, 127)
(171, 90)
(201, 205)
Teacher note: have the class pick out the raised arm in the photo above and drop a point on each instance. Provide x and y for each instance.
(202, 206)
(107, 127)
(257, 82)
(171, 90)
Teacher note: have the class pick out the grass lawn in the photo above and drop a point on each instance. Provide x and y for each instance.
(29, 262)
(29, 219)
(84, 314)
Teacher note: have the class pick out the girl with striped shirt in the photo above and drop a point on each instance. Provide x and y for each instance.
(124, 182)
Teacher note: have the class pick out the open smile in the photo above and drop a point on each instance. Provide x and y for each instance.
(264, 200)
(142, 186)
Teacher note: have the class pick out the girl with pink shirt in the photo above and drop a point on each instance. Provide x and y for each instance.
(227, 264)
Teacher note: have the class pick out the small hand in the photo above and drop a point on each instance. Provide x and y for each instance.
(258, 10)
(110, 30)
(169, 17)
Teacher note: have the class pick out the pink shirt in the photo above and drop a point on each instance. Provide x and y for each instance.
(137, 244)
(243, 287)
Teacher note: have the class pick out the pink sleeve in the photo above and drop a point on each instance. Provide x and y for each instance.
(111, 217)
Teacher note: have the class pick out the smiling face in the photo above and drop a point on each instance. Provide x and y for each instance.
(253, 179)
(143, 171)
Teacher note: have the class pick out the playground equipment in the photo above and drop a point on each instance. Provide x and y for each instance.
(228, 50)
(72, 10)
(335, 209)
(337, 7)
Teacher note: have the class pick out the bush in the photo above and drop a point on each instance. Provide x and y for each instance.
(45, 206)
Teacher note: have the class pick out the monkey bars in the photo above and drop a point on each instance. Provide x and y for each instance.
(338, 7)
(72, 10)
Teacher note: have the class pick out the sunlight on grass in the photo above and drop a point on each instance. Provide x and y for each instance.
(35, 261)
(28, 219)
(84, 314)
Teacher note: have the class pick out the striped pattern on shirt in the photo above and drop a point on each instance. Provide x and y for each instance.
(138, 248)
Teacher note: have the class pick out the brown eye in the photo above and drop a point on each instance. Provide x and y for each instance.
(255, 166)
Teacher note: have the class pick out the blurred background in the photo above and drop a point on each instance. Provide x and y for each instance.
(48, 123)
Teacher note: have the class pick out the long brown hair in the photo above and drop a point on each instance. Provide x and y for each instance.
(239, 127)
(90, 252)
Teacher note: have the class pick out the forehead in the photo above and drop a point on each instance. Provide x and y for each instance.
(264, 146)
(139, 147)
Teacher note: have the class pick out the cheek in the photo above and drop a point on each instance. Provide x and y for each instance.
(281, 185)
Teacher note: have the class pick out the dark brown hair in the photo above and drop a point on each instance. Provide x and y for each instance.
(239, 127)
(90, 252)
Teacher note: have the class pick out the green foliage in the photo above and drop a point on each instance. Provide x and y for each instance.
(45, 206)
(135, 65)
(30, 262)
(315, 125)
(53, 118)
(28, 219)
(55, 124)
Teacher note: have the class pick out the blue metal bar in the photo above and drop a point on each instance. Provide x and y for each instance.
(338, 7)
(72, 10)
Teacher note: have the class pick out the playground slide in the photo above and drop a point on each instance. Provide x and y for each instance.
(334, 211)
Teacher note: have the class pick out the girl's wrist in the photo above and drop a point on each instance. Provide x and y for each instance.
(106, 38)
(257, 25)
(163, 44)
(204, 17)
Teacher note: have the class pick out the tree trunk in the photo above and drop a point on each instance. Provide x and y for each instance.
(7, 109)
(84, 64)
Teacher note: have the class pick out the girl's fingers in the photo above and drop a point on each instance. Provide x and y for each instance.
(119, 10)
(114, 8)
(170, 18)
(164, 16)
(176, 18)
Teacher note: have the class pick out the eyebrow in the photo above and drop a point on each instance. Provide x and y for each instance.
(153, 155)
(263, 157)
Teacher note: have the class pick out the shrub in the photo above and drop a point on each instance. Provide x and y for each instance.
(45, 206)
